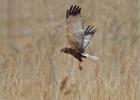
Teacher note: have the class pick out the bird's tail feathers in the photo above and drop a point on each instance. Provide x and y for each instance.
(90, 56)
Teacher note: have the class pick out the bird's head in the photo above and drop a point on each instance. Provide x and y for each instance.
(65, 50)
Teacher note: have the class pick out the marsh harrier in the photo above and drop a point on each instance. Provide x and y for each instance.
(78, 37)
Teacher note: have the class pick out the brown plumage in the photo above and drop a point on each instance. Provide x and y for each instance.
(78, 55)
(78, 37)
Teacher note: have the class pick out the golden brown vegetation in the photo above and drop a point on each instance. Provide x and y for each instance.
(31, 67)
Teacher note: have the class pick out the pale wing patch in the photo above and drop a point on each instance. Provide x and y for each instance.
(87, 40)
(75, 27)
(88, 35)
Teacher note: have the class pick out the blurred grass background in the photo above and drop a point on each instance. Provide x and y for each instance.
(33, 31)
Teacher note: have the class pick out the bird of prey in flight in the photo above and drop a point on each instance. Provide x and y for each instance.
(78, 36)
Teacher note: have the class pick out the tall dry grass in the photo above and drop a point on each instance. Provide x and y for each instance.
(32, 68)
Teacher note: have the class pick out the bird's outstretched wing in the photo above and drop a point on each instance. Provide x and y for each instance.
(88, 35)
(75, 27)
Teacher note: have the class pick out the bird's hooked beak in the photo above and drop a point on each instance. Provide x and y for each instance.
(61, 50)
